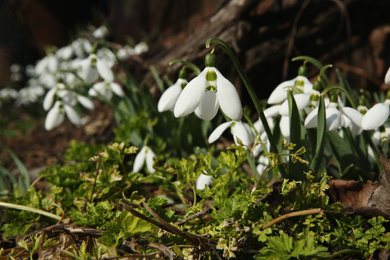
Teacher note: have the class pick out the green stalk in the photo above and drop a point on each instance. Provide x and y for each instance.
(248, 85)
(26, 208)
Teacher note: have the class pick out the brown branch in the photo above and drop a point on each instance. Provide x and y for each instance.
(161, 223)
(292, 214)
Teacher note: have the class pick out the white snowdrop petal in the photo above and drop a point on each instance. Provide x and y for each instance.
(139, 160)
(272, 111)
(375, 116)
(311, 119)
(352, 114)
(387, 77)
(240, 131)
(228, 97)
(99, 88)
(208, 106)
(85, 102)
(285, 126)
(116, 88)
(104, 71)
(333, 118)
(218, 131)
(54, 117)
(203, 180)
(169, 97)
(301, 99)
(150, 157)
(72, 115)
(191, 95)
(49, 99)
(279, 94)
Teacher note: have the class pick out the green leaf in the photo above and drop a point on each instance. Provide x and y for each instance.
(297, 137)
(317, 164)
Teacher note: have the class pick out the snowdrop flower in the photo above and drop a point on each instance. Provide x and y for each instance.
(300, 83)
(100, 32)
(107, 56)
(87, 69)
(169, 97)
(352, 119)
(206, 92)
(65, 53)
(380, 137)
(56, 116)
(239, 130)
(8, 93)
(375, 116)
(81, 47)
(141, 48)
(108, 86)
(146, 154)
(263, 164)
(203, 180)
(334, 118)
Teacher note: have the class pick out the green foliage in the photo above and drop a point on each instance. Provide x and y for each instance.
(284, 247)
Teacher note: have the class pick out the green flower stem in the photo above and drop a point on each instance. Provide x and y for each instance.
(248, 85)
(188, 64)
(26, 208)
(342, 89)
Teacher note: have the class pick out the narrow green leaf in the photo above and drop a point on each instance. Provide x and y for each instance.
(23, 171)
(316, 163)
(295, 170)
(159, 81)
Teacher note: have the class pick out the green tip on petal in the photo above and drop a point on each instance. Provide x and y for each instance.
(211, 75)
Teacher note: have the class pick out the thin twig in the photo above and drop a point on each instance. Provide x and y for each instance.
(97, 173)
(196, 215)
(292, 214)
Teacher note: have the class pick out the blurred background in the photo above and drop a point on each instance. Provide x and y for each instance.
(265, 34)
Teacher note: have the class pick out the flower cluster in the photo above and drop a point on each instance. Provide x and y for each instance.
(72, 76)
(210, 90)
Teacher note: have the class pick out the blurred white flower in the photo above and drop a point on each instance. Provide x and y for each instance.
(87, 69)
(203, 180)
(100, 32)
(55, 116)
(146, 154)
(8, 93)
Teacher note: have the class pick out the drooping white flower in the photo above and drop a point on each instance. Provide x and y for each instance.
(240, 131)
(54, 117)
(301, 99)
(203, 180)
(100, 32)
(169, 97)
(206, 92)
(279, 94)
(375, 116)
(334, 117)
(146, 154)
(87, 69)
(105, 89)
